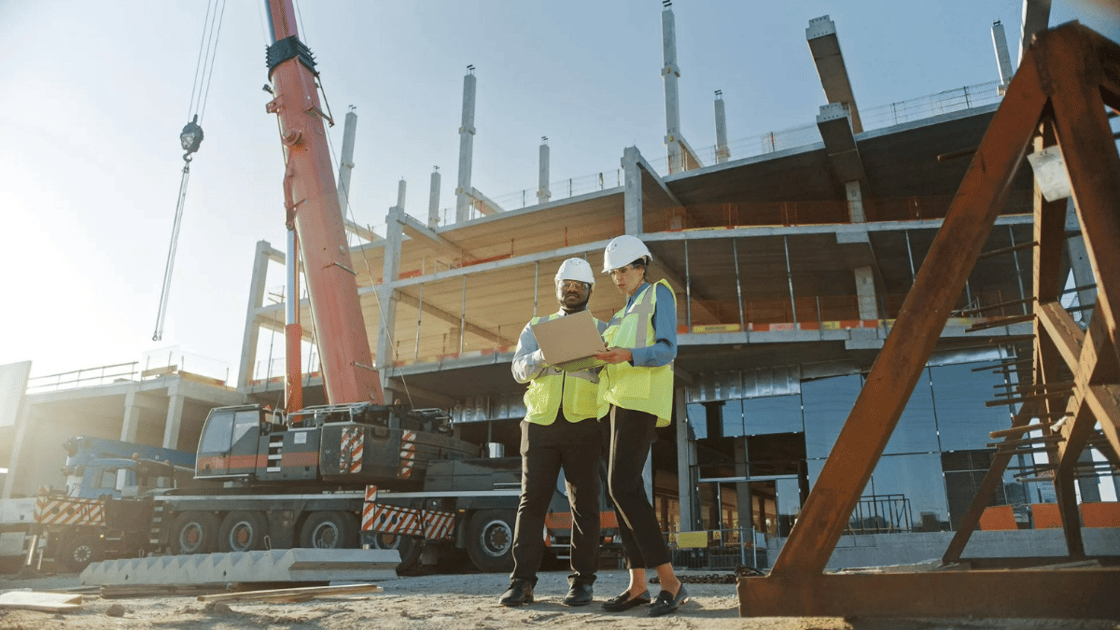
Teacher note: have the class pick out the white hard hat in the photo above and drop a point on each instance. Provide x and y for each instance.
(623, 250)
(575, 269)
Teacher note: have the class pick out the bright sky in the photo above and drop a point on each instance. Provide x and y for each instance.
(93, 96)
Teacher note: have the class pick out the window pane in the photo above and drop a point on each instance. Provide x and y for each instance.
(913, 485)
(773, 414)
(827, 402)
(731, 418)
(916, 431)
(697, 420)
(963, 421)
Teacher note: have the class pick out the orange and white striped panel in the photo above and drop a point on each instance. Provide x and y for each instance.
(408, 453)
(68, 511)
(439, 525)
(390, 519)
(352, 449)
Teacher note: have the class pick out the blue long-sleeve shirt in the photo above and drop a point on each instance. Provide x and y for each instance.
(528, 360)
(664, 348)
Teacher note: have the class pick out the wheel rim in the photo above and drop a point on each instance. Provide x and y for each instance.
(496, 538)
(241, 536)
(326, 536)
(190, 537)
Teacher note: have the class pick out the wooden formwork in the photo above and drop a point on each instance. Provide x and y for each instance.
(1060, 95)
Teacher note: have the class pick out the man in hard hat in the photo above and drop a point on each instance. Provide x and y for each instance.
(637, 382)
(560, 430)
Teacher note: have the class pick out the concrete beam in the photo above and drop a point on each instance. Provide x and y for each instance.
(825, 46)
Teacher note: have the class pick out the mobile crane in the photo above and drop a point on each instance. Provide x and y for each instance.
(353, 471)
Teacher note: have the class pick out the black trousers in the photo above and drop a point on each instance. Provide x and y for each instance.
(632, 435)
(576, 447)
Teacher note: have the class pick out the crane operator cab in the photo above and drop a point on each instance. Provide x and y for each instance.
(356, 443)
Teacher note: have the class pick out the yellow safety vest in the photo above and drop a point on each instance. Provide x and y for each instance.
(577, 391)
(638, 388)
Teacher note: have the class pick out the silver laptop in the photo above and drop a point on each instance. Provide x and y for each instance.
(570, 342)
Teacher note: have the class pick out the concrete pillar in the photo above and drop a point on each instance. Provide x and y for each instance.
(251, 336)
(743, 502)
(387, 295)
(865, 293)
(174, 420)
(130, 425)
(433, 200)
(632, 191)
(346, 161)
(13, 388)
(402, 187)
(1003, 58)
(466, 149)
(855, 202)
(671, 72)
(686, 459)
(722, 152)
(1036, 18)
(543, 193)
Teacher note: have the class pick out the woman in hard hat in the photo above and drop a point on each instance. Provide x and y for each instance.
(637, 381)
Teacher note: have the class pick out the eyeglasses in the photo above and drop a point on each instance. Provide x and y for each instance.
(566, 285)
(614, 273)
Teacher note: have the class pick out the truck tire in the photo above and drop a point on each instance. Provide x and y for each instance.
(408, 546)
(76, 552)
(329, 530)
(242, 531)
(194, 532)
(490, 540)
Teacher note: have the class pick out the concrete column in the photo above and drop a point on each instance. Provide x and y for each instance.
(686, 458)
(722, 152)
(387, 295)
(865, 293)
(13, 388)
(174, 421)
(466, 149)
(256, 302)
(346, 161)
(433, 200)
(743, 503)
(672, 98)
(130, 425)
(543, 193)
(1003, 58)
(632, 191)
(855, 202)
(402, 187)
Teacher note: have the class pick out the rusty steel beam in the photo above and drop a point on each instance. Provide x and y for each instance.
(1088, 593)
(1080, 64)
(1070, 73)
(916, 330)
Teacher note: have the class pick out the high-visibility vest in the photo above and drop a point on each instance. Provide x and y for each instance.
(578, 392)
(638, 388)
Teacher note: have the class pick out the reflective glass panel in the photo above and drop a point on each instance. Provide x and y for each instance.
(963, 420)
(827, 403)
(773, 414)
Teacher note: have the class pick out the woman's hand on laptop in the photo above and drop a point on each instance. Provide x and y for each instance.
(615, 355)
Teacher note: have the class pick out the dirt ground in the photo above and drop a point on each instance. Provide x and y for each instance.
(451, 602)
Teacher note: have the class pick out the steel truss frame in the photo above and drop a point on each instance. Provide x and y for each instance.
(1059, 95)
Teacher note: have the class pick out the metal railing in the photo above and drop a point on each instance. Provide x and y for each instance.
(84, 377)
(717, 549)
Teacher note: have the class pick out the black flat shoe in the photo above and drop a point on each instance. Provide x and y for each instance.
(624, 602)
(667, 603)
(520, 592)
(580, 594)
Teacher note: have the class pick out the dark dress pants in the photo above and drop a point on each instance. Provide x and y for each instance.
(575, 447)
(632, 435)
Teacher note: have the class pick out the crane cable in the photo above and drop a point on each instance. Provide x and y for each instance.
(191, 137)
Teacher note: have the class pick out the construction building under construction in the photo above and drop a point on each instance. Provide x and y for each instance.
(791, 255)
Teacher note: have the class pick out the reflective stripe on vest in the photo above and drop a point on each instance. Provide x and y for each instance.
(638, 388)
(577, 391)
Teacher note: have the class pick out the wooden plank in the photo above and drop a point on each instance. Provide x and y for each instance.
(293, 594)
(39, 600)
(917, 329)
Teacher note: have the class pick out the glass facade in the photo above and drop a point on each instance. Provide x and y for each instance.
(931, 465)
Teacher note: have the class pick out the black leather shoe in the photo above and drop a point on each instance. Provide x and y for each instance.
(624, 602)
(667, 603)
(578, 595)
(519, 592)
